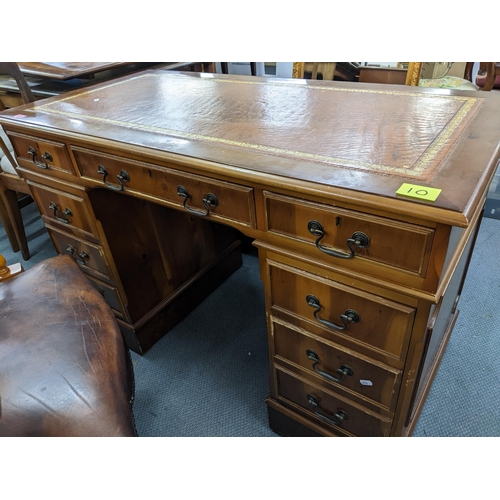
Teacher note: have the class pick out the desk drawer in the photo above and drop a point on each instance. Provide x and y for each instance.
(41, 155)
(397, 244)
(330, 409)
(63, 208)
(111, 295)
(205, 196)
(90, 257)
(343, 369)
(346, 313)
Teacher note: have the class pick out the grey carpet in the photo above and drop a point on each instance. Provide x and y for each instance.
(464, 399)
(209, 375)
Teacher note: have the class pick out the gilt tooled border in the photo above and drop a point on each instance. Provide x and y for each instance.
(430, 158)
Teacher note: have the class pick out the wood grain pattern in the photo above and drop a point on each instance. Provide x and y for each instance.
(392, 242)
(59, 160)
(235, 202)
(383, 325)
(156, 250)
(369, 380)
(95, 261)
(360, 421)
(70, 208)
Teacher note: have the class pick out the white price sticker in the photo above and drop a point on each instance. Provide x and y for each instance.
(366, 382)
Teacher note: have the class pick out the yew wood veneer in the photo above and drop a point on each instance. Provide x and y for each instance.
(149, 180)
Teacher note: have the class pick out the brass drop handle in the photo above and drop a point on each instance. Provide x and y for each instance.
(80, 258)
(337, 419)
(344, 370)
(45, 158)
(359, 239)
(66, 213)
(349, 316)
(209, 201)
(122, 177)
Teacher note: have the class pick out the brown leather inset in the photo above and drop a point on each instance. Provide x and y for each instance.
(406, 134)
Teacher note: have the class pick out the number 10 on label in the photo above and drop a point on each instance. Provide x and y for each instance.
(418, 192)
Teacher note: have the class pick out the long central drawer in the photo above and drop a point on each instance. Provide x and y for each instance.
(197, 194)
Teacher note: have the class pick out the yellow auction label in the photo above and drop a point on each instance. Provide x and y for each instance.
(418, 192)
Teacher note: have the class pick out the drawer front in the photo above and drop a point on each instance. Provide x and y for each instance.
(90, 257)
(111, 296)
(343, 369)
(63, 208)
(397, 244)
(329, 409)
(201, 195)
(41, 155)
(346, 313)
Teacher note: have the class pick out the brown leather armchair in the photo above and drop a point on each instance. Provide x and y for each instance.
(64, 367)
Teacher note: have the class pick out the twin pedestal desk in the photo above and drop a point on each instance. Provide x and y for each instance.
(363, 200)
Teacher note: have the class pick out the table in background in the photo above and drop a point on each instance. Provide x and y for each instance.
(47, 79)
(374, 74)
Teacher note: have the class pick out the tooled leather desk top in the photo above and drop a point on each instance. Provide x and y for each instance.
(362, 137)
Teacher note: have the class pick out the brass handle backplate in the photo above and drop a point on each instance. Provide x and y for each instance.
(344, 370)
(45, 158)
(65, 213)
(122, 177)
(337, 419)
(358, 239)
(81, 258)
(209, 201)
(349, 316)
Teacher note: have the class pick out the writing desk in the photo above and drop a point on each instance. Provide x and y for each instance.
(149, 180)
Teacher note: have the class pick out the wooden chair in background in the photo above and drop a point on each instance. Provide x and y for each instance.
(12, 69)
(485, 81)
(488, 76)
(14, 192)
